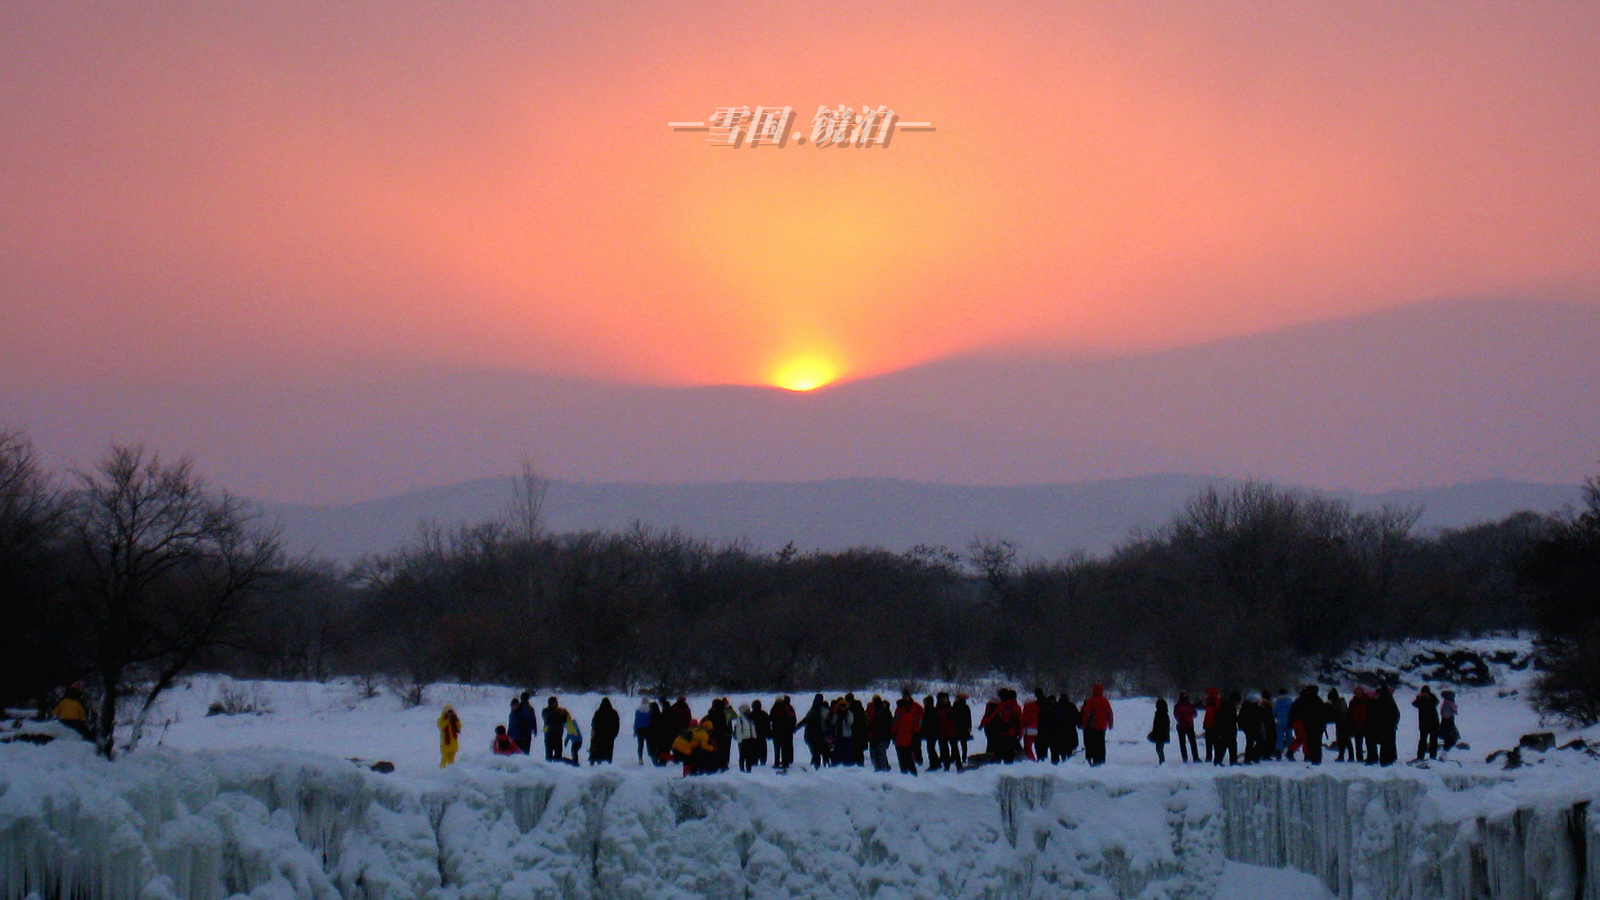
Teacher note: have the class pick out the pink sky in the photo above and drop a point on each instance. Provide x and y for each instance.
(194, 188)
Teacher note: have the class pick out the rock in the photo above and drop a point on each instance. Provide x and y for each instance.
(1540, 741)
(382, 767)
(1576, 744)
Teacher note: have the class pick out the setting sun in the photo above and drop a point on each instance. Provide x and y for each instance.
(804, 374)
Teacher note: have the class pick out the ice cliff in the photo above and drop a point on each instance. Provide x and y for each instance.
(279, 824)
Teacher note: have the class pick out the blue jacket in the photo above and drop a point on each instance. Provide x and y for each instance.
(641, 720)
(522, 724)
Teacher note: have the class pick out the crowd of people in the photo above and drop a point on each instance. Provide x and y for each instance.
(936, 732)
(1278, 727)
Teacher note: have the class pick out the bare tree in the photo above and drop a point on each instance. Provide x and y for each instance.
(529, 490)
(163, 569)
(30, 518)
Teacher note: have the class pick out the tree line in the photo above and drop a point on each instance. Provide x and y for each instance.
(127, 575)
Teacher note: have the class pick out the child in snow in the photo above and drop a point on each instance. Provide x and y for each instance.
(503, 745)
(449, 736)
(1448, 735)
(574, 736)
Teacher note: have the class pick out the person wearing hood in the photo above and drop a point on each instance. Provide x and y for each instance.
(643, 719)
(603, 731)
(1097, 720)
(522, 723)
(1449, 736)
(1184, 713)
(744, 734)
(449, 736)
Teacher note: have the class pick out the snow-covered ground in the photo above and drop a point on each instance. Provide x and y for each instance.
(268, 805)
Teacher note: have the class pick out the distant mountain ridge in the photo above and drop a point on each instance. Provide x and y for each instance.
(1432, 394)
(1048, 521)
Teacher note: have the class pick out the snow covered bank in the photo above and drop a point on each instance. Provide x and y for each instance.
(281, 824)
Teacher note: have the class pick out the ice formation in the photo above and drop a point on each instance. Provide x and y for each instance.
(268, 824)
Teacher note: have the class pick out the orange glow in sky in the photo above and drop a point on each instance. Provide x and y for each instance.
(236, 188)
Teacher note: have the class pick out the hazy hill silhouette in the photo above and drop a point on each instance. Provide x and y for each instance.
(1048, 521)
(1433, 394)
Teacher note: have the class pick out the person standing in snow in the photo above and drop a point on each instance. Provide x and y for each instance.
(816, 731)
(1250, 727)
(1161, 730)
(1030, 724)
(1225, 728)
(1184, 712)
(1427, 706)
(1383, 717)
(555, 728)
(522, 722)
(961, 715)
(743, 734)
(1097, 720)
(1280, 720)
(930, 736)
(1051, 717)
(643, 718)
(1339, 713)
(880, 732)
(1071, 718)
(782, 722)
(722, 716)
(1209, 723)
(905, 733)
(603, 731)
(1358, 724)
(763, 722)
(574, 736)
(1448, 735)
(1002, 725)
(449, 736)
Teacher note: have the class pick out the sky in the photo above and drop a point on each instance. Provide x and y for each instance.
(202, 188)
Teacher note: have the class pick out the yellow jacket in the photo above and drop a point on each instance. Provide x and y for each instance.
(449, 730)
(70, 710)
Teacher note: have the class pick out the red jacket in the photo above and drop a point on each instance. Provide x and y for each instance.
(1030, 714)
(1097, 711)
(1006, 716)
(1184, 713)
(907, 725)
(1213, 705)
